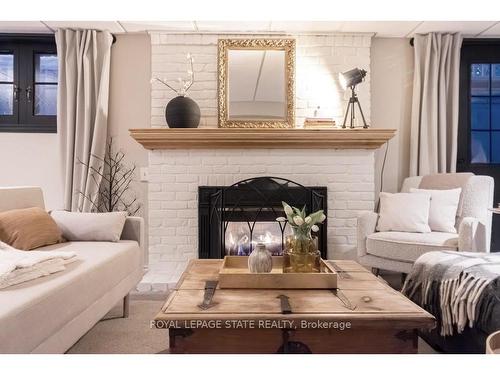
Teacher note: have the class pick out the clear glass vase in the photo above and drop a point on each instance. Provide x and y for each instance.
(301, 254)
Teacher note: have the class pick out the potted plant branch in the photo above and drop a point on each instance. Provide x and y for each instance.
(114, 191)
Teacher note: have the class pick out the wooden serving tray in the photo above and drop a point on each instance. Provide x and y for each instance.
(234, 274)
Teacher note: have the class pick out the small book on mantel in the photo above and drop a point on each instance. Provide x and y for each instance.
(319, 123)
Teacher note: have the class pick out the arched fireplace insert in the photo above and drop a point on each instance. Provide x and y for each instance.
(232, 219)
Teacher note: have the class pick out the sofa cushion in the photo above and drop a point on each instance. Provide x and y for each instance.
(90, 226)
(33, 311)
(404, 212)
(407, 247)
(443, 209)
(28, 228)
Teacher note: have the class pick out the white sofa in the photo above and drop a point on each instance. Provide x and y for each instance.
(397, 251)
(49, 314)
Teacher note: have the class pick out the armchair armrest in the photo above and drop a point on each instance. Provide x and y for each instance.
(472, 235)
(134, 230)
(367, 223)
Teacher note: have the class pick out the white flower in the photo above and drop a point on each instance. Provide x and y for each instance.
(322, 218)
(308, 219)
(281, 219)
(298, 220)
(288, 210)
(315, 228)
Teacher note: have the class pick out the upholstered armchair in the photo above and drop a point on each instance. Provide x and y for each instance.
(396, 251)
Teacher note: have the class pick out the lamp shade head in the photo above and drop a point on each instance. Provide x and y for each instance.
(352, 77)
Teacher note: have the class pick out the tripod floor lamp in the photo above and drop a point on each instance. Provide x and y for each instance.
(350, 79)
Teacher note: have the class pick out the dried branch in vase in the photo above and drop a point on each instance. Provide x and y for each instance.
(184, 84)
(114, 181)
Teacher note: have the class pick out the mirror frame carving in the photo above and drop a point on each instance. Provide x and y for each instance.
(287, 45)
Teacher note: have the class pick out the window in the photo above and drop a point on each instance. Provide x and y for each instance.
(479, 119)
(28, 83)
(485, 113)
(479, 115)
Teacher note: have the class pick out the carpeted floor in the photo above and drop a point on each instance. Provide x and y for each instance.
(131, 335)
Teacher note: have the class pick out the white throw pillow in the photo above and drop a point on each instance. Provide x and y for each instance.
(404, 212)
(443, 211)
(78, 226)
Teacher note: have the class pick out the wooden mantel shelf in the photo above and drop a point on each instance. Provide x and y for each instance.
(166, 138)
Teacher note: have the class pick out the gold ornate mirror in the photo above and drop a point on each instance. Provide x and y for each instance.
(256, 83)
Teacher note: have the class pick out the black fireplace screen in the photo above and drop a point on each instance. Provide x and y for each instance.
(232, 219)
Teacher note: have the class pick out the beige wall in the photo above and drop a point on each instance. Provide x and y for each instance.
(391, 92)
(130, 100)
(33, 159)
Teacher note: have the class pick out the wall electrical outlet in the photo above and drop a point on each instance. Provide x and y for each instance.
(144, 175)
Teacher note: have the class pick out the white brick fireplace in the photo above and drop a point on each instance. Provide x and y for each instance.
(174, 175)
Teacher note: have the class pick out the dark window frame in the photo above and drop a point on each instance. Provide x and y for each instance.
(485, 51)
(476, 51)
(24, 47)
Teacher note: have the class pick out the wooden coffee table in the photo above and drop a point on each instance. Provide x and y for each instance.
(365, 316)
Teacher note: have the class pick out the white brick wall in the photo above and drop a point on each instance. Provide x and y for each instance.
(174, 177)
(319, 59)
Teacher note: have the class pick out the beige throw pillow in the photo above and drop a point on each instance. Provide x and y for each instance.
(28, 228)
(404, 212)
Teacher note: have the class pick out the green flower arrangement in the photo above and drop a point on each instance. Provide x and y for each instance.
(300, 253)
(301, 223)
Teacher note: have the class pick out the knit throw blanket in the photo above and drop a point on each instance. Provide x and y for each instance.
(19, 266)
(458, 288)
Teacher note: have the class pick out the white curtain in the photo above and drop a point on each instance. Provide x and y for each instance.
(82, 111)
(434, 118)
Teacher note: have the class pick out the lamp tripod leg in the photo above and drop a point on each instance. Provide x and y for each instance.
(353, 113)
(362, 115)
(346, 113)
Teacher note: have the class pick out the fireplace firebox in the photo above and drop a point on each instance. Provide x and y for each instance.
(233, 219)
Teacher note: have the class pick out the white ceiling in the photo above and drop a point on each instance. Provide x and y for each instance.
(378, 28)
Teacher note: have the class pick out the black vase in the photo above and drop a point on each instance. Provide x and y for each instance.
(182, 112)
